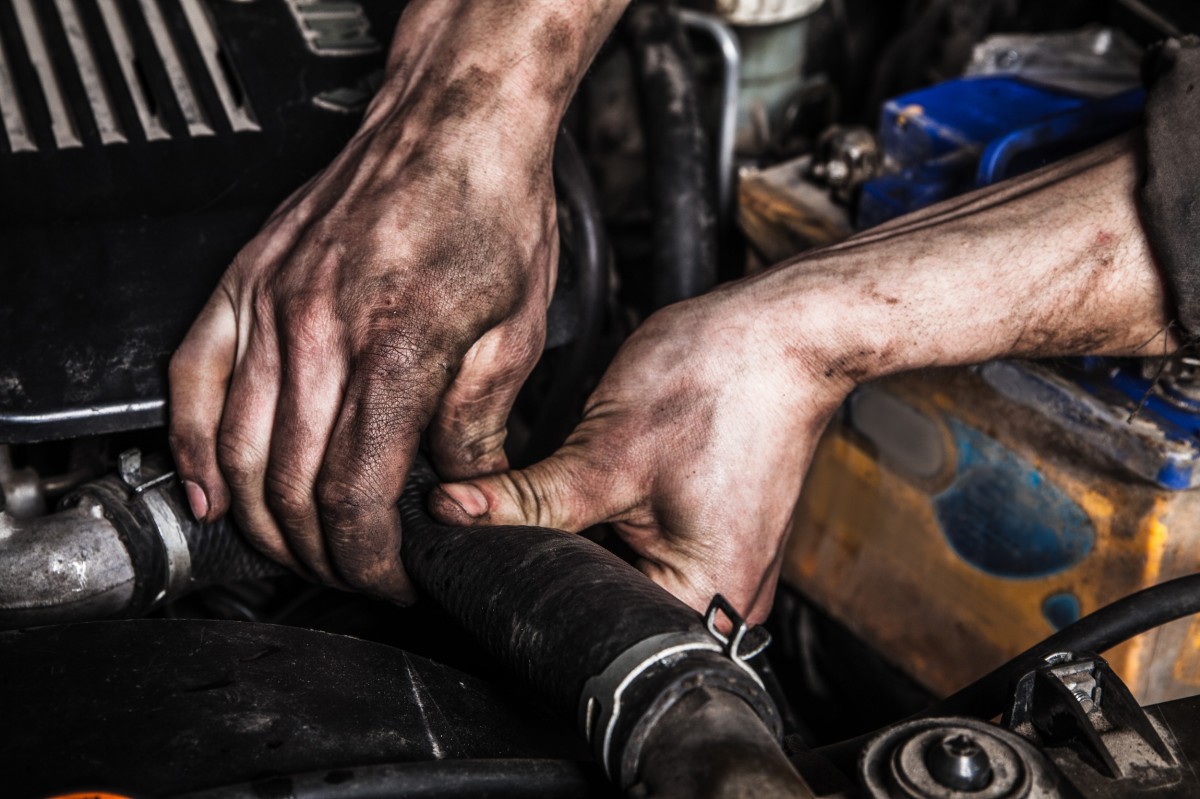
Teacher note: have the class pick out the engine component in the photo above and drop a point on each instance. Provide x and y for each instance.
(149, 141)
(945, 758)
(121, 546)
(1094, 62)
(597, 639)
(21, 493)
(731, 72)
(163, 707)
(773, 12)
(846, 157)
(623, 657)
(1072, 729)
(685, 227)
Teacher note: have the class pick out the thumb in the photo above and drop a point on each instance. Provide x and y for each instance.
(563, 492)
(467, 433)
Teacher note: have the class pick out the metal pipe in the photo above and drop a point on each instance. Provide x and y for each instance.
(120, 546)
(62, 567)
(731, 65)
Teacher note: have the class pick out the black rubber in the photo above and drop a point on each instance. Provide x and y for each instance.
(555, 608)
(1098, 632)
(444, 779)
(677, 154)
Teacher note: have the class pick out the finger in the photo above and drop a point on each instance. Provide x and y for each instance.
(389, 401)
(312, 384)
(467, 435)
(566, 492)
(199, 378)
(244, 442)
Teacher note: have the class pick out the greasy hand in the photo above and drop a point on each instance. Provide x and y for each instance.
(403, 288)
(694, 445)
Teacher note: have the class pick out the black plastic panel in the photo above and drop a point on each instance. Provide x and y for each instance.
(108, 250)
(159, 707)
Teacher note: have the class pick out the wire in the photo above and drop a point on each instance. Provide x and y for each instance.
(1097, 632)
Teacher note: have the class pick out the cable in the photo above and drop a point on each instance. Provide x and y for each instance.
(1097, 632)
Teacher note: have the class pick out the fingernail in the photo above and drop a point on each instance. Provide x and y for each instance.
(467, 497)
(196, 498)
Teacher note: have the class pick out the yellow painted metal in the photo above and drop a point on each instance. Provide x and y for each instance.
(868, 548)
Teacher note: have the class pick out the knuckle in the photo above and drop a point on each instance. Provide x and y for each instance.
(239, 459)
(288, 499)
(345, 506)
(308, 323)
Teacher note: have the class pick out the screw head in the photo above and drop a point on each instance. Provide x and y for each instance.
(957, 761)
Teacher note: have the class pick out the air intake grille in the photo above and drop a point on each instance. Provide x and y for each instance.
(77, 73)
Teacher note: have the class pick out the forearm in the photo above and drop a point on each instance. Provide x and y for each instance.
(1054, 263)
(510, 68)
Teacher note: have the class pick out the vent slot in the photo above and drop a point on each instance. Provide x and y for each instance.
(220, 72)
(194, 116)
(98, 97)
(55, 82)
(62, 122)
(122, 43)
(11, 113)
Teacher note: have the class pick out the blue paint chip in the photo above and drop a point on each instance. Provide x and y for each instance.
(1061, 610)
(1002, 517)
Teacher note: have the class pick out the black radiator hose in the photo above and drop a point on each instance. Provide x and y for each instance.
(602, 643)
(677, 154)
(650, 682)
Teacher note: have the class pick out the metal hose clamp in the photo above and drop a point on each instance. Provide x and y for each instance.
(604, 711)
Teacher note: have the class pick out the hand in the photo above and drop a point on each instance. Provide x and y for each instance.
(696, 441)
(694, 446)
(405, 287)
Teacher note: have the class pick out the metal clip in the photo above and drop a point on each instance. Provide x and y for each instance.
(745, 642)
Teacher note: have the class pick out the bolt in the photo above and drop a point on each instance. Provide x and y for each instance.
(958, 762)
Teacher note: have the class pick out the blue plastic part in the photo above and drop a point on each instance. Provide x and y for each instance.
(952, 137)
(1051, 139)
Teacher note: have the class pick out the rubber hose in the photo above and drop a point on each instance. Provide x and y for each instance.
(555, 608)
(1098, 632)
(677, 155)
(589, 248)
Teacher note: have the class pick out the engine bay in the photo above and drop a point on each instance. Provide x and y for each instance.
(968, 544)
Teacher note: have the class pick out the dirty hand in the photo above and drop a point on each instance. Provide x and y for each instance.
(694, 446)
(697, 439)
(403, 288)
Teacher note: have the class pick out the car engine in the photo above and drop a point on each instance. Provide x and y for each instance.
(969, 543)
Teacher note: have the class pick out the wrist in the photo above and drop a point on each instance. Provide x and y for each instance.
(483, 67)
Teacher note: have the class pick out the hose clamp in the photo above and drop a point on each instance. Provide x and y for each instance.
(153, 495)
(603, 706)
